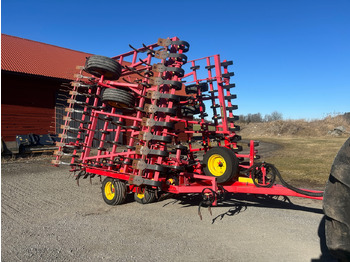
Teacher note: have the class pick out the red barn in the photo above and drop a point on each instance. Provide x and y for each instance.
(32, 73)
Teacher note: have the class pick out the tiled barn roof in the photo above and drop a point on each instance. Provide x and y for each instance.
(36, 58)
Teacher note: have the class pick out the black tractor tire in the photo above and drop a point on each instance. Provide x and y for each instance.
(113, 191)
(101, 65)
(336, 205)
(118, 98)
(146, 196)
(220, 162)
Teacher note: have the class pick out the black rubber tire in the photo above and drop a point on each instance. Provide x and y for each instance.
(115, 186)
(118, 98)
(101, 65)
(231, 163)
(149, 196)
(336, 205)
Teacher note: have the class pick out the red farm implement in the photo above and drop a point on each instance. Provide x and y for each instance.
(132, 131)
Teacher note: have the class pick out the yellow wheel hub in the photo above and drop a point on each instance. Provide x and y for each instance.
(217, 165)
(109, 190)
(140, 195)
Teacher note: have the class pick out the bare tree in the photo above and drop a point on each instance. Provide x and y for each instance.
(274, 116)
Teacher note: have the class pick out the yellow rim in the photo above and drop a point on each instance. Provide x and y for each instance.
(140, 195)
(217, 165)
(109, 190)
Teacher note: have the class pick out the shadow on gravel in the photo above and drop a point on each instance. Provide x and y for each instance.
(238, 203)
(325, 254)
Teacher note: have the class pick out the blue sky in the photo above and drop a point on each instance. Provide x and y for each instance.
(292, 56)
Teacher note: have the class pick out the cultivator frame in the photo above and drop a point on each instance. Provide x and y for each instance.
(144, 108)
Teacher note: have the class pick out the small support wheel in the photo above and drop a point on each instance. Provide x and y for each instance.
(144, 195)
(101, 65)
(221, 163)
(113, 191)
(118, 98)
(263, 175)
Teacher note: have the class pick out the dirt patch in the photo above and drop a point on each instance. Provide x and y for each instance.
(296, 128)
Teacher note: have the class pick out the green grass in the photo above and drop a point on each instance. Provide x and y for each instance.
(305, 161)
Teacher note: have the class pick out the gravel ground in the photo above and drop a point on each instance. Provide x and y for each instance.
(47, 217)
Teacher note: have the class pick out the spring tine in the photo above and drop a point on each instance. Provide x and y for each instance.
(82, 76)
(63, 95)
(64, 90)
(199, 211)
(209, 208)
(134, 70)
(133, 48)
(126, 80)
(81, 94)
(66, 85)
(60, 153)
(143, 62)
(150, 50)
(58, 162)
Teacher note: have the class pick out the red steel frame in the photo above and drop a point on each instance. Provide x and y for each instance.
(136, 162)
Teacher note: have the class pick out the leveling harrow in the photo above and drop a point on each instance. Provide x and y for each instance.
(131, 131)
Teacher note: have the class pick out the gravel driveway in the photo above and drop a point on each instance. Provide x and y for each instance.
(47, 217)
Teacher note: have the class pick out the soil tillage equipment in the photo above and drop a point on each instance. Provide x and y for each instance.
(127, 123)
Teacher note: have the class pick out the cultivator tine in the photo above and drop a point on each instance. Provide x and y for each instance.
(144, 63)
(60, 153)
(132, 69)
(137, 50)
(65, 96)
(67, 85)
(65, 136)
(60, 144)
(127, 81)
(72, 110)
(209, 196)
(83, 77)
(148, 49)
(75, 93)
(82, 84)
(58, 162)
(199, 211)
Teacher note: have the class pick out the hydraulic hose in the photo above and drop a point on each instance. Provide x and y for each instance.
(275, 173)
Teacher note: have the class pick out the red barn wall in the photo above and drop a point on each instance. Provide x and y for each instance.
(27, 104)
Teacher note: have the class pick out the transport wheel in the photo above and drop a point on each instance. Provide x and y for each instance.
(113, 191)
(101, 65)
(336, 205)
(118, 98)
(144, 195)
(221, 163)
